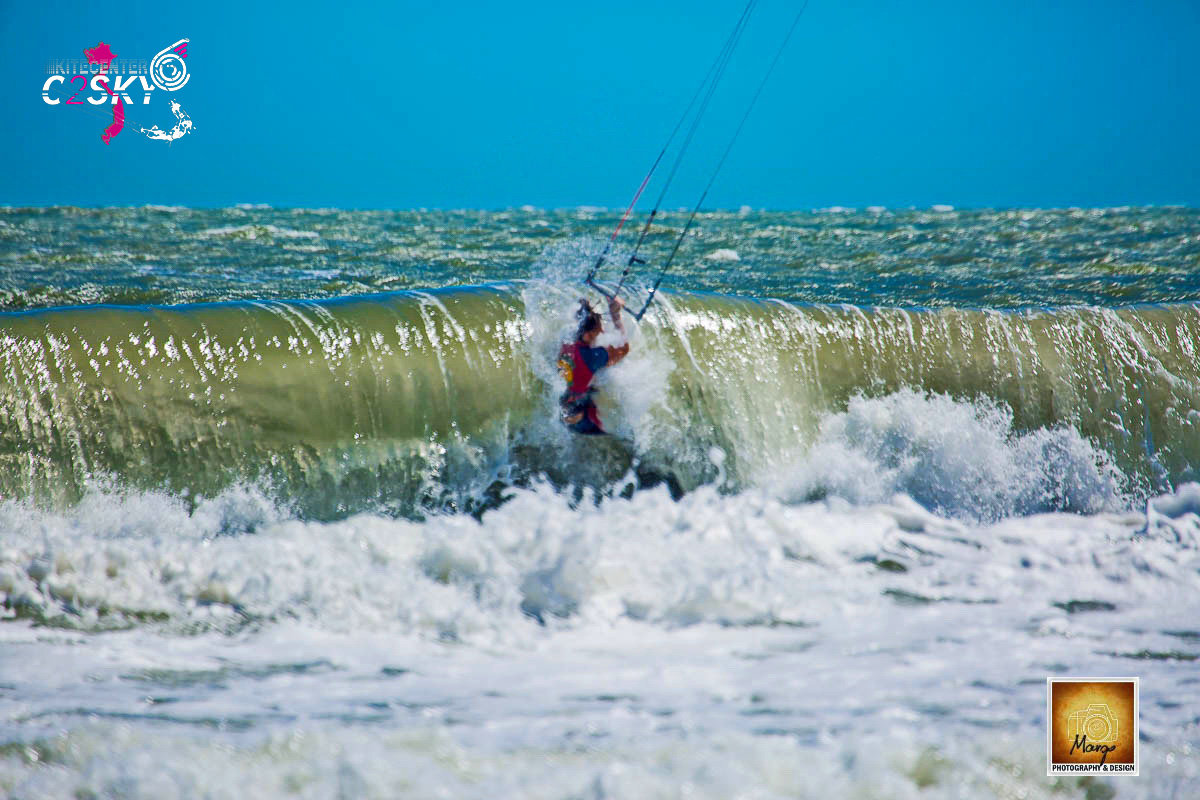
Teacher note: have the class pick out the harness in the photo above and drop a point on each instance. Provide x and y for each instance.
(578, 409)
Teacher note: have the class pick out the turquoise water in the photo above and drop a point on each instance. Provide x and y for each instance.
(1003, 259)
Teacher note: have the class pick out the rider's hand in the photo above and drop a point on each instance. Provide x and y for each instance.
(615, 304)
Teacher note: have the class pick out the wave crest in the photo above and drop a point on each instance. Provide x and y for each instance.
(958, 458)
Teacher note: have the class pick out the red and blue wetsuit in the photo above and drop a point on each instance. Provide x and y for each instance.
(578, 364)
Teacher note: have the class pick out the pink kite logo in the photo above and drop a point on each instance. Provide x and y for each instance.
(101, 54)
(113, 80)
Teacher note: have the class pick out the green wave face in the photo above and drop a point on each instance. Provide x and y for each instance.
(766, 375)
(335, 403)
(413, 402)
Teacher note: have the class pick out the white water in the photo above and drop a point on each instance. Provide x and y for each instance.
(959, 459)
(723, 645)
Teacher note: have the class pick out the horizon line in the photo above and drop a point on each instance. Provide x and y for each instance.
(595, 209)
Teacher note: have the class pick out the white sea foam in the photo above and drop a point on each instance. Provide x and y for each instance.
(723, 254)
(120, 558)
(958, 458)
(626, 648)
(427, 761)
(1176, 516)
(258, 231)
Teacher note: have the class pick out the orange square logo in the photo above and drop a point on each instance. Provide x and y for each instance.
(1092, 726)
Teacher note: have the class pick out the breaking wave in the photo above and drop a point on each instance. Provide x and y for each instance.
(424, 401)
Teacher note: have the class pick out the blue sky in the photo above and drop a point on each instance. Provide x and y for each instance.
(489, 105)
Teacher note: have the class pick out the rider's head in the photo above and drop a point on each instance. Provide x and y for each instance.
(590, 324)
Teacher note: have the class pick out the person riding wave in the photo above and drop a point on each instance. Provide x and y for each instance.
(580, 360)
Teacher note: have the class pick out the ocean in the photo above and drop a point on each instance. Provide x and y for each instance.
(286, 509)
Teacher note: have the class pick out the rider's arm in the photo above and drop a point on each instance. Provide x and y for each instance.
(615, 354)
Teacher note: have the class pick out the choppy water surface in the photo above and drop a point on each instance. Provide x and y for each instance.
(889, 257)
(316, 531)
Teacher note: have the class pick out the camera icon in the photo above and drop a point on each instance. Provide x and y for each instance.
(1096, 722)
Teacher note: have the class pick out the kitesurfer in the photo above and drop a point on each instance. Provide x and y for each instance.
(580, 360)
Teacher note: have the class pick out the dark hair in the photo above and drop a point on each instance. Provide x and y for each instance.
(589, 319)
